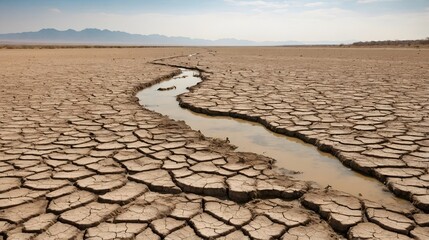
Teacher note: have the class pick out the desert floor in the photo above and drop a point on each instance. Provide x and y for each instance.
(81, 159)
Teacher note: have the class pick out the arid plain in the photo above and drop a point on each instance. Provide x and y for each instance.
(80, 158)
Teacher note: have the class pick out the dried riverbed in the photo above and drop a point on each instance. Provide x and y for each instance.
(81, 159)
(368, 107)
(298, 159)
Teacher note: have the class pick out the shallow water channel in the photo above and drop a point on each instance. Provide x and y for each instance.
(290, 153)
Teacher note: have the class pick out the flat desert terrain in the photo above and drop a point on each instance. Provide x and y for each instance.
(80, 158)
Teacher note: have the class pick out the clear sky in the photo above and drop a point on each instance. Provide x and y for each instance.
(259, 20)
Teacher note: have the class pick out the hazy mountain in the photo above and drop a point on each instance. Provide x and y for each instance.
(107, 37)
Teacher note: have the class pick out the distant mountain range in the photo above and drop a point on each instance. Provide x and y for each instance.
(95, 36)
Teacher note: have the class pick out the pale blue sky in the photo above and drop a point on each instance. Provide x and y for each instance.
(260, 20)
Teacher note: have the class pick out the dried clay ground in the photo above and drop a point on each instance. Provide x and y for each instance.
(81, 159)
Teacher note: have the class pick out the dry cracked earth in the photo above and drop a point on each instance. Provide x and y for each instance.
(81, 159)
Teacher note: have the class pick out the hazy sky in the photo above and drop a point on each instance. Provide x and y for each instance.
(260, 20)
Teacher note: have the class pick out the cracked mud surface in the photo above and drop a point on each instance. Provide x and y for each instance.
(367, 107)
(80, 159)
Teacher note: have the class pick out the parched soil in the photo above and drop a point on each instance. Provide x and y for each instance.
(368, 107)
(81, 159)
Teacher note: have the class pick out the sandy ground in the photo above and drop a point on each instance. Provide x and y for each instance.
(80, 159)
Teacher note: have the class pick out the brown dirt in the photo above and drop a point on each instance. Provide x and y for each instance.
(79, 158)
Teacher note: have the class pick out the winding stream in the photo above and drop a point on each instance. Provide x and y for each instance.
(290, 153)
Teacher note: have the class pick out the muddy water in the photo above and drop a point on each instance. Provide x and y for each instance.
(290, 153)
